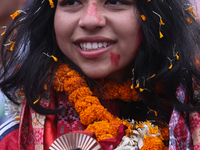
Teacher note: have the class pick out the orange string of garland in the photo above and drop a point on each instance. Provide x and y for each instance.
(87, 105)
(86, 102)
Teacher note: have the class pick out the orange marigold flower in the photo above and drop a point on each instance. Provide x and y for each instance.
(125, 91)
(99, 111)
(73, 73)
(90, 99)
(151, 143)
(153, 130)
(64, 68)
(79, 93)
(73, 84)
(81, 106)
(58, 85)
(96, 92)
(106, 136)
(92, 113)
(102, 129)
(85, 102)
(108, 116)
(166, 148)
(165, 133)
(111, 90)
(88, 116)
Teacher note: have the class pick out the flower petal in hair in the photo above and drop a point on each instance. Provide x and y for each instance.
(13, 16)
(160, 24)
(36, 101)
(54, 58)
(51, 3)
(12, 45)
(143, 17)
(4, 30)
(170, 67)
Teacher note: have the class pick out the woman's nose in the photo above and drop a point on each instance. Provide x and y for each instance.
(92, 18)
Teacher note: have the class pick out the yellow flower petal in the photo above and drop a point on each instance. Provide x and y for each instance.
(45, 86)
(177, 57)
(161, 22)
(141, 90)
(161, 35)
(13, 16)
(143, 17)
(189, 20)
(12, 46)
(132, 86)
(17, 118)
(35, 101)
(35, 121)
(170, 67)
(3, 32)
(155, 112)
(137, 86)
(191, 9)
(54, 58)
(51, 3)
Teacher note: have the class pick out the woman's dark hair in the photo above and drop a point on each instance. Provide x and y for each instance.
(35, 36)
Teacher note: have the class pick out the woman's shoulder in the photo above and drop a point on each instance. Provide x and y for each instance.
(9, 133)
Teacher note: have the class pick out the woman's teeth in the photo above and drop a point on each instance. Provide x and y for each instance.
(93, 46)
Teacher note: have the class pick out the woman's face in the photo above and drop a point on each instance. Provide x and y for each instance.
(101, 37)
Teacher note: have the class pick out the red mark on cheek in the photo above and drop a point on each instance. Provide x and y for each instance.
(138, 40)
(114, 57)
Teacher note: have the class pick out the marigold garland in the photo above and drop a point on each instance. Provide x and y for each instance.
(153, 143)
(113, 90)
(92, 113)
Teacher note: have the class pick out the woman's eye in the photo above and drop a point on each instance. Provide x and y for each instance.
(70, 2)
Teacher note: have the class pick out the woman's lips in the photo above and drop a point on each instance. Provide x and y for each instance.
(92, 47)
(95, 53)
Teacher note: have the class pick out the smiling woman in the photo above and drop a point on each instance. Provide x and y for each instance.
(107, 53)
(125, 72)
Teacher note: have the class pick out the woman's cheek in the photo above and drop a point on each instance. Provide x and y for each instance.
(138, 40)
(56, 38)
